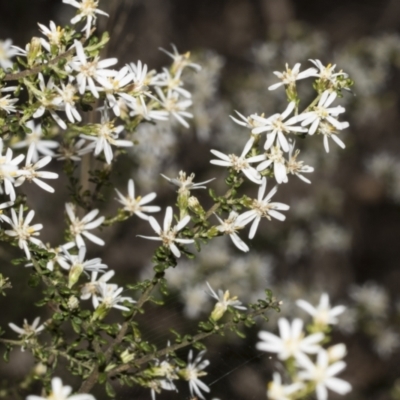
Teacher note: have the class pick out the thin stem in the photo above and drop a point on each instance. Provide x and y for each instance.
(35, 70)
(312, 104)
(185, 343)
(92, 379)
(12, 342)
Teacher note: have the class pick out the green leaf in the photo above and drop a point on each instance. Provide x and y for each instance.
(199, 346)
(102, 377)
(58, 316)
(6, 355)
(206, 326)
(175, 333)
(110, 390)
(75, 326)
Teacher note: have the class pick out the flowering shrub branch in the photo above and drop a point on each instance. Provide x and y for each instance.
(65, 79)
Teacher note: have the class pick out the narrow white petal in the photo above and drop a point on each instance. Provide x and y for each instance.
(93, 238)
(239, 242)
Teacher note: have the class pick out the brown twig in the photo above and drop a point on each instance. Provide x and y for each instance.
(35, 70)
(185, 343)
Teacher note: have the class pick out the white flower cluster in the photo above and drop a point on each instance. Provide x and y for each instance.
(130, 92)
(73, 79)
(293, 346)
(164, 373)
(318, 118)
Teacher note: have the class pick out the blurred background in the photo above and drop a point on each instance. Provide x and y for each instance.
(342, 233)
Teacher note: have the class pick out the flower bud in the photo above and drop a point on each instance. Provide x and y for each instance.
(126, 356)
(337, 352)
(39, 369)
(34, 49)
(74, 274)
(193, 202)
(218, 312)
(101, 311)
(73, 303)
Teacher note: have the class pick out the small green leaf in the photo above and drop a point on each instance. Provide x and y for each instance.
(110, 390)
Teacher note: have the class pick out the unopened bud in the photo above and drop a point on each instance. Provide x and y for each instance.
(337, 352)
(101, 311)
(39, 369)
(34, 49)
(73, 303)
(218, 312)
(126, 356)
(74, 274)
(193, 202)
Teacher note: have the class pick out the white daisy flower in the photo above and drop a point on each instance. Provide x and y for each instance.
(58, 254)
(329, 131)
(7, 52)
(174, 106)
(327, 73)
(114, 86)
(7, 104)
(322, 374)
(87, 9)
(76, 264)
(136, 205)
(277, 391)
(54, 35)
(263, 208)
(60, 392)
(323, 314)
(8, 170)
(249, 122)
(164, 370)
(66, 101)
(105, 135)
(322, 112)
(27, 332)
(45, 97)
(181, 61)
(274, 157)
(277, 128)
(142, 79)
(290, 76)
(73, 151)
(88, 71)
(35, 140)
(168, 234)
(230, 226)
(291, 342)
(240, 164)
(91, 289)
(192, 373)
(30, 172)
(22, 231)
(79, 228)
(172, 83)
(139, 108)
(295, 167)
(185, 183)
(224, 300)
(109, 297)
